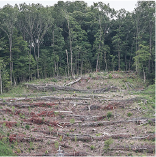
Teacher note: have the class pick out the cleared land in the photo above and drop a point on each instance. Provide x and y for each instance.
(97, 114)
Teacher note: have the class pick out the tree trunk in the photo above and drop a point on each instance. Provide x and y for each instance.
(71, 53)
(105, 61)
(35, 57)
(10, 49)
(150, 47)
(0, 81)
(67, 62)
(119, 60)
(81, 66)
(97, 62)
(29, 53)
(144, 75)
(71, 58)
(38, 55)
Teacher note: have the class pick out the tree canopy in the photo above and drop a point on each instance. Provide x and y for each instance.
(72, 38)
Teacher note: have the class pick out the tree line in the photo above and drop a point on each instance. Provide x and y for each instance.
(72, 38)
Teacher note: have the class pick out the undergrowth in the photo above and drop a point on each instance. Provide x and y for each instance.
(5, 149)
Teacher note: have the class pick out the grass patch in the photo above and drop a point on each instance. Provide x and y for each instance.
(5, 150)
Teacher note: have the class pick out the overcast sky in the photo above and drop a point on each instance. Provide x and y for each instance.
(129, 5)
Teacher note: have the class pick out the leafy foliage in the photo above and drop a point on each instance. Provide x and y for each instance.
(72, 38)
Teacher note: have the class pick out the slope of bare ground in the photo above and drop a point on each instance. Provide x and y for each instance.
(99, 114)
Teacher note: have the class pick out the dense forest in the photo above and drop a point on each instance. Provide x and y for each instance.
(72, 38)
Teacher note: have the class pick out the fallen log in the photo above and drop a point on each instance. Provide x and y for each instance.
(146, 148)
(151, 137)
(103, 90)
(105, 123)
(70, 154)
(77, 137)
(51, 87)
(113, 136)
(62, 98)
(36, 120)
(31, 99)
(26, 105)
(19, 112)
(147, 137)
(87, 118)
(79, 103)
(47, 132)
(23, 138)
(73, 82)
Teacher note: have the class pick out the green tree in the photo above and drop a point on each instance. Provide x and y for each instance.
(43, 23)
(8, 19)
(20, 59)
(141, 60)
(4, 77)
(27, 24)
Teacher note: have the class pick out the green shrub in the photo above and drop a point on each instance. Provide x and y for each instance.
(110, 76)
(107, 144)
(5, 150)
(92, 147)
(88, 87)
(27, 127)
(72, 121)
(129, 114)
(54, 80)
(109, 114)
(56, 144)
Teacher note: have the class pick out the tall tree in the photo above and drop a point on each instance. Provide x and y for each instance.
(8, 19)
(27, 20)
(141, 60)
(43, 23)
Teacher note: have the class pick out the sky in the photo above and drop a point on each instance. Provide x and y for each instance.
(129, 5)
